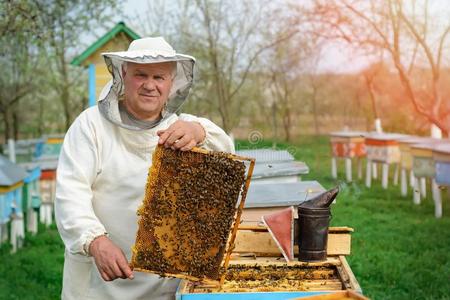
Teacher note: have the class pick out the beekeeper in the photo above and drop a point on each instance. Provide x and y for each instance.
(104, 163)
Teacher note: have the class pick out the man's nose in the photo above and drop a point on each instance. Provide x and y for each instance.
(149, 84)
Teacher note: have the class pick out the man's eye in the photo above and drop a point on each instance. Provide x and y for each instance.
(140, 75)
(158, 77)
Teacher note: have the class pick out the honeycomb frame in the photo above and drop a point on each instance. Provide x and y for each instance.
(193, 199)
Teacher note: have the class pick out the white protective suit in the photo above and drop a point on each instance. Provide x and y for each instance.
(101, 180)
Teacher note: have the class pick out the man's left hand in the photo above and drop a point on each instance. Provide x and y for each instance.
(182, 135)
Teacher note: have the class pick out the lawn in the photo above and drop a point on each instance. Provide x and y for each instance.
(399, 250)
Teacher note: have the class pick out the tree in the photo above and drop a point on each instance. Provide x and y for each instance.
(403, 31)
(227, 38)
(20, 32)
(67, 21)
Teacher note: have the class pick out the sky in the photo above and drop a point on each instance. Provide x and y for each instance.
(335, 57)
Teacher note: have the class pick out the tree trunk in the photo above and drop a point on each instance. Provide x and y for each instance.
(316, 121)
(287, 128)
(7, 119)
(15, 123)
(274, 121)
(40, 128)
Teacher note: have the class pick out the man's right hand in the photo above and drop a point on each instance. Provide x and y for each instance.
(110, 259)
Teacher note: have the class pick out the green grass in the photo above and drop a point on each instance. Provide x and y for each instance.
(399, 250)
(35, 271)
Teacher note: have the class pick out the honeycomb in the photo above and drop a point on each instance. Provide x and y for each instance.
(189, 207)
(270, 278)
(244, 278)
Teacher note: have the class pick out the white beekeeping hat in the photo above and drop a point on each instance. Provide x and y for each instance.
(145, 51)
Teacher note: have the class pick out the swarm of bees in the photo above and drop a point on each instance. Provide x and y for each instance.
(269, 278)
(187, 213)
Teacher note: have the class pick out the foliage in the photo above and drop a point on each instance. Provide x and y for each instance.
(39, 91)
(408, 33)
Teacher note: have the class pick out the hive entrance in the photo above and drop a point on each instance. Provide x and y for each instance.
(189, 207)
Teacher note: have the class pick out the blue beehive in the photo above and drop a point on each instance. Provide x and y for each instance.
(11, 182)
(441, 155)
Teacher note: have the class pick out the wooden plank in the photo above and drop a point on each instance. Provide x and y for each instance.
(342, 295)
(261, 243)
(439, 156)
(347, 273)
(329, 276)
(180, 276)
(252, 216)
(420, 152)
(304, 285)
(264, 261)
(344, 229)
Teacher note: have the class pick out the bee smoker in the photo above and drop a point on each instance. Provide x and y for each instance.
(312, 227)
(309, 231)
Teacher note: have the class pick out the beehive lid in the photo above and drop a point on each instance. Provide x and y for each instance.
(282, 168)
(385, 139)
(10, 173)
(191, 201)
(282, 194)
(443, 148)
(348, 134)
(267, 155)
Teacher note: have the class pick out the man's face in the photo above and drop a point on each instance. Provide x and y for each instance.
(147, 88)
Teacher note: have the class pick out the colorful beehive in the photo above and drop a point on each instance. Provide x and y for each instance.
(424, 167)
(11, 182)
(117, 39)
(267, 155)
(383, 148)
(441, 156)
(24, 150)
(347, 145)
(274, 166)
(47, 186)
(31, 196)
(258, 271)
(423, 163)
(406, 160)
(48, 162)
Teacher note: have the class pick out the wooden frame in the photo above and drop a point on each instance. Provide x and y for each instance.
(256, 241)
(230, 244)
(345, 281)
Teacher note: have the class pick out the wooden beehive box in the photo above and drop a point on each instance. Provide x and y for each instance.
(441, 156)
(192, 200)
(423, 163)
(383, 148)
(342, 295)
(348, 144)
(258, 271)
(406, 160)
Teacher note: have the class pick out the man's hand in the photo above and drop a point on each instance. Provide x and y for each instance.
(182, 135)
(110, 260)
